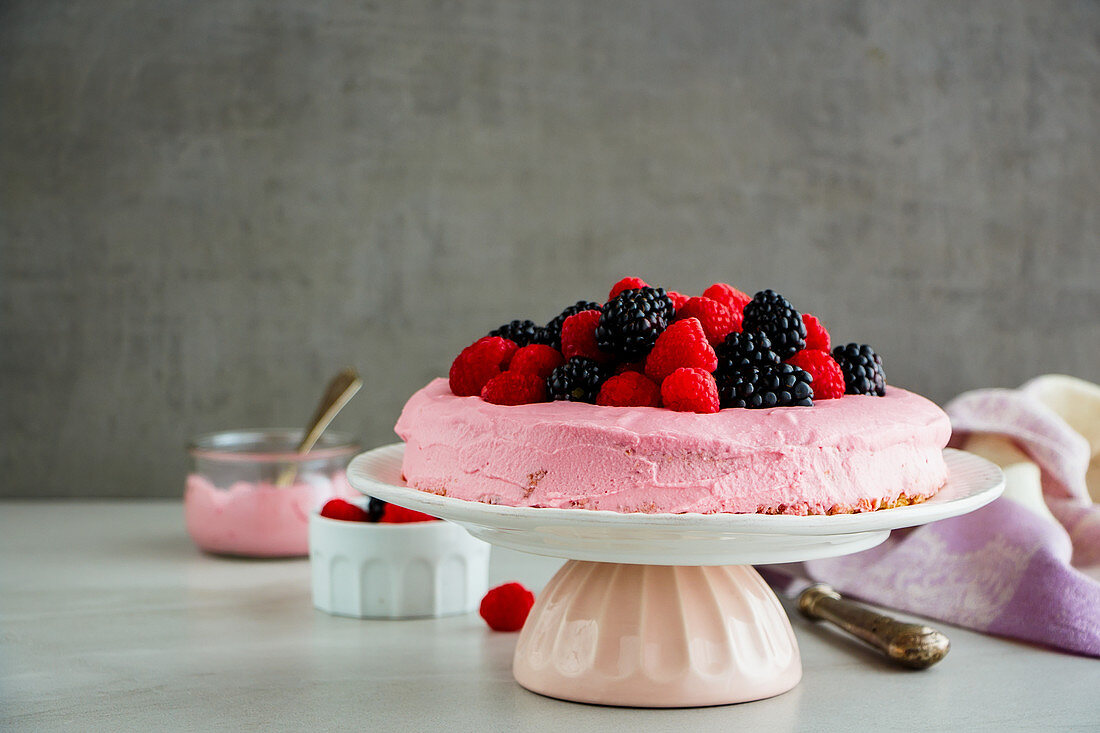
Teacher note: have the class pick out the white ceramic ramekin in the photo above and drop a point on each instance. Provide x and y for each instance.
(413, 570)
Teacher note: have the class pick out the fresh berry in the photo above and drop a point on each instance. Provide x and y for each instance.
(577, 380)
(344, 510)
(514, 388)
(690, 390)
(400, 515)
(553, 328)
(683, 344)
(744, 349)
(632, 321)
(375, 509)
(538, 359)
(782, 385)
(630, 366)
(816, 335)
(505, 607)
(629, 389)
(862, 367)
(521, 332)
(774, 315)
(678, 299)
(828, 380)
(728, 296)
(716, 318)
(627, 283)
(478, 363)
(578, 337)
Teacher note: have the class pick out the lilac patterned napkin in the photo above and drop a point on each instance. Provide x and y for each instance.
(1025, 566)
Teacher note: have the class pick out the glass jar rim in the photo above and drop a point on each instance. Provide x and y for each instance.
(244, 445)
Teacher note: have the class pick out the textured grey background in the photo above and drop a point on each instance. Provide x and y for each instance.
(208, 207)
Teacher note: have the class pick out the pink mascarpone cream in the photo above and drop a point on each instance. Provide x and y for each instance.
(856, 453)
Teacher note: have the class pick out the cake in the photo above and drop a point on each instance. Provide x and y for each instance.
(715, 404)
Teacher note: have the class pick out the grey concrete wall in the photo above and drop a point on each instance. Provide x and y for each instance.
(208, 207)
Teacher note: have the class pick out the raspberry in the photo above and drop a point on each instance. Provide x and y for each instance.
(678, 299)
(716, 318)
(828, 381)
(627, 283)
(478, 363)
(683, 344)
(514, 388)
(400, 515)
(728, 296)
(505, 607)
(553, 328)
(578, 336)
(537, 359)
(344, 510)
(816, 335)
(629, 389)
(690, 390)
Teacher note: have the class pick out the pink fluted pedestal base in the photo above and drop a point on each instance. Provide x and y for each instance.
(657, 636)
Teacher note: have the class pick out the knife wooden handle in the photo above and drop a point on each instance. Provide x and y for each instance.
(913, 645)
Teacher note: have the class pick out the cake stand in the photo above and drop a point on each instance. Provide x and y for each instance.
(665, 610)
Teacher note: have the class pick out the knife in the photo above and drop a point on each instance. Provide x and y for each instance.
(911, 645)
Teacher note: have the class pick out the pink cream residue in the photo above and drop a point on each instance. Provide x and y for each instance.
(256, 519)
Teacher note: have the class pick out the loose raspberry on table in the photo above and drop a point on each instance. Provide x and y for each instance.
(627, 283)
(478, 363)
(514, 388)
(344, 510)
(629, 389)
(816, 335)
(678, 299)
(400, 515)
(578, 337)
(538, 359)
(716, 318)
(690, 390)
(683, 344)
(505, 608)
(728, 296)
(828, 383)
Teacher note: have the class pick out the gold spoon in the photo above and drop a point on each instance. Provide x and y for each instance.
(341, 389)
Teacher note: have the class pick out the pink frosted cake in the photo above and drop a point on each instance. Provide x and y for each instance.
(733, 405)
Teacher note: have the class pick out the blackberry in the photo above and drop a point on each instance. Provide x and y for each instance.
(632, 321)
(744, 349)
(553, 328)
(862, 367)
(522, 332)
(772, 314)
(780, 385)
(577, 380)
(375, 509)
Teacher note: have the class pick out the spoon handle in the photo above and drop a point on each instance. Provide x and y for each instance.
(341, 389)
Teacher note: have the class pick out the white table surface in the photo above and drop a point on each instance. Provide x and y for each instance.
(111, 620)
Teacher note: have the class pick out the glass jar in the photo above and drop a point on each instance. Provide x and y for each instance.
(233, 503)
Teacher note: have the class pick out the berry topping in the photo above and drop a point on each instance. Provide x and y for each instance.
(816, 335)
(514, 388)
(632, 321)
(375, 509)
(678, 299)
(345, 510)
(728, 296)
(629, 389)
(577, 380)
(782, 385)
(478, 363)
(690, 390)
(683, 344)
(716, 318)
(862, 368)
(400, 515)
(771, 313)
(521, 332)
(505, 607)
(744, 349)
(578, 336)
(627, 283)
(828, 380)
(538, 359)
(553, 328)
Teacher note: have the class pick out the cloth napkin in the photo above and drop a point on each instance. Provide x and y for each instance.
(1025, 566)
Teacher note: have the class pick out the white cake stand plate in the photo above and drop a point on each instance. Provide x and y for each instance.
(665, 610)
